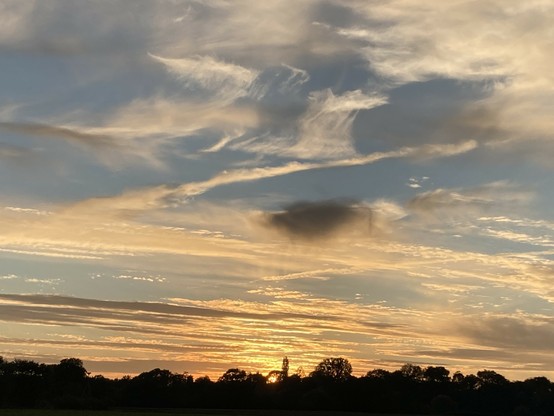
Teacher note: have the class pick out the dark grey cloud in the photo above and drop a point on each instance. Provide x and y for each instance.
(335, 14)
(114, 315)
(38, 129)
(510, 333)
(317, 220)
(470, 354)
(160, 346)
(62, 28)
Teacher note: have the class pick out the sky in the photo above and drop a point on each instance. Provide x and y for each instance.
(200, 185)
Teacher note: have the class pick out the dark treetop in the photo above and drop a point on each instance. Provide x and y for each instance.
(330, 386)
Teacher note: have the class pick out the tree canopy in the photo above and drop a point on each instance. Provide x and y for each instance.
(412, 389)
(338, 369)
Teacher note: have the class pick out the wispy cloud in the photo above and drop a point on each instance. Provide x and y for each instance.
(284, 79)
(71, 134)
(112, 150)
(246, 175)
(161, 196)
(321, 274)
(485, 196)
(324, 131)
(27, 210)
(225, 80)
(159, 118)
(11, 152)
(419, 41)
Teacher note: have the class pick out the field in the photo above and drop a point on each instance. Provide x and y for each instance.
(162, 412)
(44, 412)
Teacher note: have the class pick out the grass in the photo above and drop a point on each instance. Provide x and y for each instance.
(48, 412)
(51, 412)
(169, 412)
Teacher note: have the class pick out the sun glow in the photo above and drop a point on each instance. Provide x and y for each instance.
(274, 377)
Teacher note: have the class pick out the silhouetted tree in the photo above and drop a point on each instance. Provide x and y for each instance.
(494, 393)
(285, 368)
(300, 372)
(159, 388)
(458, 377)
(378, 374)
(537, 395)
(338, 369)
(233, 375)
(470, 382)
(102, 391)
(205, 380)
(443, 404)
(409, 390)
(23, 382)
(256, 378)
(490, 377)
(436, 374)
(71, 370)
(275, 376)
(411, 371)
(68, 383)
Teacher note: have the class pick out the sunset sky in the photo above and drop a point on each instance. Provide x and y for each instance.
(207, 184)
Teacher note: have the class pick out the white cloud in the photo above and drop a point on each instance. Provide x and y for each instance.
(284, 80)
(297, 77)
(499, 41)
(325, 130)
(500, 195)
(27, 210)
(141, 278)
(9, 277)
(384, 214)
(225, 80)
(224, 141)
(161, 118)
(322, 274)
(424, 39)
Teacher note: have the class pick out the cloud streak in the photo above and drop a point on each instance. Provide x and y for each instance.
(483, 196)
(68, 133)
(11, 152)
(138, 329)
(163, 195)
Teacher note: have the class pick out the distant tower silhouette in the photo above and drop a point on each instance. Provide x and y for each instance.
(285, 367)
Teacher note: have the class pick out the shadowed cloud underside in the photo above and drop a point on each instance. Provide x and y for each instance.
(314, 220)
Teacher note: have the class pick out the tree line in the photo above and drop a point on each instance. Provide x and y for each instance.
(330, 386)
